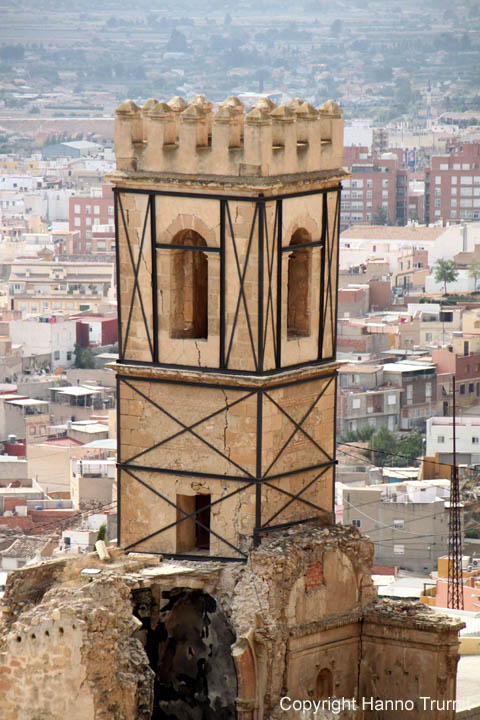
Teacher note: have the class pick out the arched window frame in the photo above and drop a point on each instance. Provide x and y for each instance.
(299, 284)
(189, 287)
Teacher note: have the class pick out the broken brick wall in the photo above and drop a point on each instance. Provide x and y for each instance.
(225, 640)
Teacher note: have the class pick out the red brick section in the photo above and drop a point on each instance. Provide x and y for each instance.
(314, 577)
(384, 570)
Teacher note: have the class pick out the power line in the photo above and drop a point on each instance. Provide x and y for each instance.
(393, 454)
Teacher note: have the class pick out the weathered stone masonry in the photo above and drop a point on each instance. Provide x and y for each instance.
(124, 642)
(227, 256)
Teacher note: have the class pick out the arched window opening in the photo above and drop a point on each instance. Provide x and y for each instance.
(189, 288)
(298, 290)
(324, 684)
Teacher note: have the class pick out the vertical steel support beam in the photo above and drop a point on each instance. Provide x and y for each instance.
(153, 243)
(222, 285)
(119, 461)
(261, 252)
(323, 263)
(116, 200)
(278, 359)
(258, 473)
(336, 239)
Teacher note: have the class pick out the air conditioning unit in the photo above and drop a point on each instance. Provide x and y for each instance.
(476, 562)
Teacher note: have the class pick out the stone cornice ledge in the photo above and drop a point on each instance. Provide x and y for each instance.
(328, 623)
(219, 378)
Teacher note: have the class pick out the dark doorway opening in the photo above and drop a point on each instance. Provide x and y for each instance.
(202, 534)
(188, 640)
(190, 535)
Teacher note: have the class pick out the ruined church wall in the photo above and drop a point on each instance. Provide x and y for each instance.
(303, 603)
(408, 655)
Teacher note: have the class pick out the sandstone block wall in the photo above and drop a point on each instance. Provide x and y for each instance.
(140, 286)
(178, 138)
(218, 435)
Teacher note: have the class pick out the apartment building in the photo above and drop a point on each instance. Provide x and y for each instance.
(362, 336)
(38, 287)
(467, 340)
(366, 399)
(417, 381)
(23, 417)
(467, 439)
(407, 521)
(429, 324)
(51, 339)
(87, 213)
(378, 187)
(92, 480)
(466, 370)
(452, 185)
(412, 269)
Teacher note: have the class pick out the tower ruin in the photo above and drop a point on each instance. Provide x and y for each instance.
(227, 254)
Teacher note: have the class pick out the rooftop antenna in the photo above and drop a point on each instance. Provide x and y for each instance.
(455, 575)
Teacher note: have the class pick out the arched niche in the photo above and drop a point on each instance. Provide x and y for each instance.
(324, 684)
(299, 286)
(189, 287)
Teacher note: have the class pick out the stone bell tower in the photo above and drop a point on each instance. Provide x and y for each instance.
(227, 254)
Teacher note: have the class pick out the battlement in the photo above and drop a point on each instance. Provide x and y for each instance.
(177, 137)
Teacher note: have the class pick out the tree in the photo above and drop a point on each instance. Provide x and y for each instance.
(474, 272)
(84, 357)
(383, 446)
(445, 272)
(410, 448)
(380, 216)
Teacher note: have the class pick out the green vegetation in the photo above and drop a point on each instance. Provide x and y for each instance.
(445, 272)
(84, 357)
(380, 216)
(474, 272)
(391, 450)
(362, 435)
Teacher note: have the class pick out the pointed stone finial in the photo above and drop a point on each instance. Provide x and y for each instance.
(265, 104)
(127, 108)
(282, 113)
(295, 104)
(305, 110)
(151, 102)
(330, 108)
(233, 101)
(225, 113)
(177, 104)
(202, 102)
(160, 109)
(258, 115)
(193, 112)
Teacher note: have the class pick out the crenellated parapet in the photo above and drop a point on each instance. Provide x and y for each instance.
(194, 138)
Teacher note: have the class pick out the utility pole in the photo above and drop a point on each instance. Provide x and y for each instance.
(455, 575)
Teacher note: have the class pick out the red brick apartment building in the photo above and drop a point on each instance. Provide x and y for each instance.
(89, 215)
(377, 183)
(452, 185)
